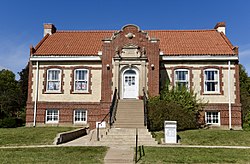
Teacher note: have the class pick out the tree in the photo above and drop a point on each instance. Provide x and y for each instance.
(177, 104)
(23, 83)
(9, 94)
(13, 96)
(245, 94)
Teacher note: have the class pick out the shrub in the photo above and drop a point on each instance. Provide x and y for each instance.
(8, 122)
(176, 104)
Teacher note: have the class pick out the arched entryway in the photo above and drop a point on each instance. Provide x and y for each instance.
(130, 84)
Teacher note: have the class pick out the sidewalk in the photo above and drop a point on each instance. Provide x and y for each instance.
(160, 145)
(121, 154)
(203, 146)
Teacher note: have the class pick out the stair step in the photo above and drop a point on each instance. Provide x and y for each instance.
(127, 142)
(127, 121)
(127, 137)
(114, 161)
(123, 130)
(116, 140)
(130, 114)
(129, 126)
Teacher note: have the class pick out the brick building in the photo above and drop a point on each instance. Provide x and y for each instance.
(73, 74)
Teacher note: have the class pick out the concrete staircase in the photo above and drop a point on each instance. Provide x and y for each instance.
(121, 138)
(130, 114)
(129, 117)
(127, 137)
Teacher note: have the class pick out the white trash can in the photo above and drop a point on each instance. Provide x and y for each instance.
(170, 131)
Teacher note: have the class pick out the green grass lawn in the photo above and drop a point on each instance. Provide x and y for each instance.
(215, 137)
(70, 155)
(160, 155)
(30, 136)
(212, 137)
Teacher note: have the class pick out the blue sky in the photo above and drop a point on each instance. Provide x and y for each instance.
(21, 21)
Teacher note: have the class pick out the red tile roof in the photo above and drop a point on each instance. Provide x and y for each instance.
(172, 42)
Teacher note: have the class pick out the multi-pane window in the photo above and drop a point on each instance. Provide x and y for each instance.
(80, 116)
(212, 117)
(211, 80)
(53, 80)
(81, 80)
(52, 116)
(181, 78)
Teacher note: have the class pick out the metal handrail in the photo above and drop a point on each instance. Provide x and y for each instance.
(111, 114)
(145, 100)
(98, 137)
(113, 108)
(141, 148)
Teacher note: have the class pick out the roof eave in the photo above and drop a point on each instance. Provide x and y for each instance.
(200, 57)
(65, 58)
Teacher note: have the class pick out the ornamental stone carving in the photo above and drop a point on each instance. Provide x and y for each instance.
(130, 35)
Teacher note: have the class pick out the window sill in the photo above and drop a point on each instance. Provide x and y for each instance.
(53, 92)
(80, 123)
(52, 122)
(212, 93)
(213, 125)
(80, 92)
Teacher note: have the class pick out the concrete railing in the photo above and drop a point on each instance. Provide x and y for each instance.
(69, 136)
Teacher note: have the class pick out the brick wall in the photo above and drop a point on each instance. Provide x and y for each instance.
(224, 114)
(66, 111)
(115, 44)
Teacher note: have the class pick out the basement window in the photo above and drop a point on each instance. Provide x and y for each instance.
(80, 116)
(212, 118)
(52, 116)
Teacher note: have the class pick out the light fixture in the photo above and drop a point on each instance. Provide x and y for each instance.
(108, 66)
(152, 66)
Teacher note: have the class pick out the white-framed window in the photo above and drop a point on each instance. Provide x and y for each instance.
(81, 80)
(80, 116)
(212, 118)
(181, 78)
(211, 81)
(52, 116)
(53, 80)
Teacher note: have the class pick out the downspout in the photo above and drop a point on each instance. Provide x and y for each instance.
(229, 95)
(36, 93)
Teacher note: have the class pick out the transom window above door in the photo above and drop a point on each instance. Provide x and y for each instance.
(81, 80)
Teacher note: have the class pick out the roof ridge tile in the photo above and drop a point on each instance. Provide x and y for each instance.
(227, 40)
(197, 30)
(80, 31)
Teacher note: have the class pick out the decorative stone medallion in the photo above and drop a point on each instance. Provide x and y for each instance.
(130, 35)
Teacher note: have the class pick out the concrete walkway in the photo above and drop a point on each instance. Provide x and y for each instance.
(122, 147)
(121, 154)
